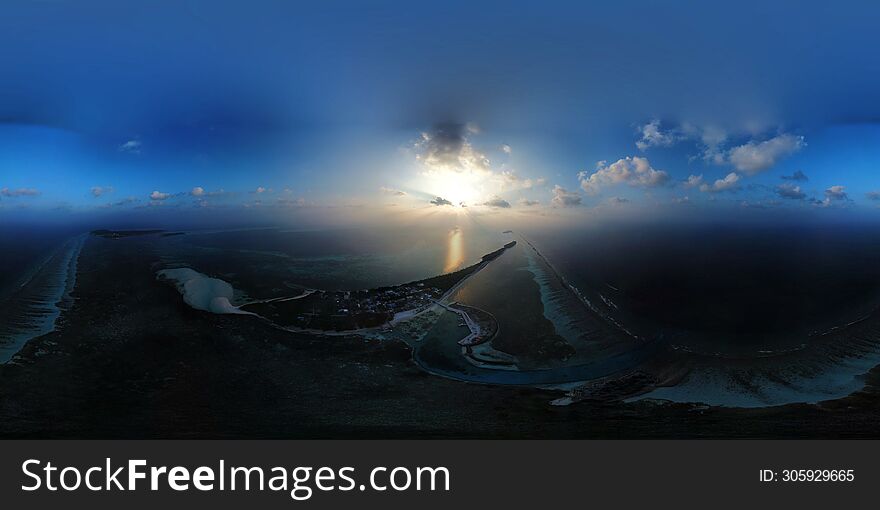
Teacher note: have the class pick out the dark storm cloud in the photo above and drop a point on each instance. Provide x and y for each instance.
(441, 201)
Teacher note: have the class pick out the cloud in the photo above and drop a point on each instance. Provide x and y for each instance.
(20, 192)
(98, 191)
(260, 189)
(693, 181)
(712, 140)
(873, 195)
(391, 191)
(618, 200)
(836, 193)
(158, 195)
(728, 183)
(564, 198)
(497, 202)
(755, 157)
(509, 180)
(528, 203)
(761, 204)
(131, 146)
(200, 192)
(506, 148)
(787, 190)
(749, 158)
(797, 176)
(124, 201)
(653, 136)
(447, 147)
(833, 194)
(634, 171)
(291, 202)
(441, 201)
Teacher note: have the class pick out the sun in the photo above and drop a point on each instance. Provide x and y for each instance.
(457, 187)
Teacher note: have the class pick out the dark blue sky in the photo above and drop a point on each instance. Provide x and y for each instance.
(553, 108)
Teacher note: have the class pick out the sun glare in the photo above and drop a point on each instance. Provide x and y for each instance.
(457, 187)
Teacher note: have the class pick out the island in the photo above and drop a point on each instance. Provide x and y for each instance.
(118, 234)
(371, 308)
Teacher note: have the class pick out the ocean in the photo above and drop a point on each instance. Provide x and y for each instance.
(36, 283)
(756, 316)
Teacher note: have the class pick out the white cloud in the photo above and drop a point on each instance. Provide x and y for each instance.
(873, 195)
(749, 158)
(200, 192)
(131, 146)
(564, 198)
(158, 195)
(511, 181)
(728, 183)
(528, 203)
(693, 181)
(260, 189)
(634, 171)
(392, 191)
(836, 193)
(653, 136)
(788, 190)
(754, 157)
(833, 194)
(712, 140)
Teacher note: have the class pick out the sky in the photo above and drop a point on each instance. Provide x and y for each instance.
(115, 112)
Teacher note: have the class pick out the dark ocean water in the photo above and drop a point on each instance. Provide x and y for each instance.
(36, 283)
(268, 263)
(579, 302)
(723, 289)
(21, 250)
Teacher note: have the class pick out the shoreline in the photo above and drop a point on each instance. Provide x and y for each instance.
(43, 298)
